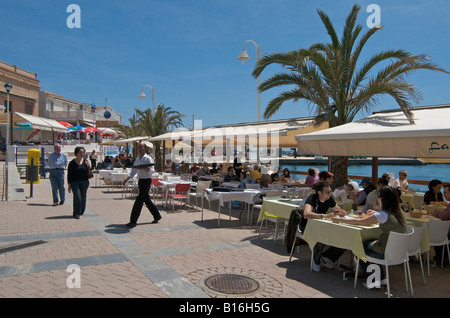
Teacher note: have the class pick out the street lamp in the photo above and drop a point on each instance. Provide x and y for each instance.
(243, 57)
(143, 96)
(93, 109)
(8, 88)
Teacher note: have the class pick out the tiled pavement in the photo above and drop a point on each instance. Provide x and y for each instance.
(171, 259)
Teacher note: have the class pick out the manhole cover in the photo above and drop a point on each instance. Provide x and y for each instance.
(232, 284)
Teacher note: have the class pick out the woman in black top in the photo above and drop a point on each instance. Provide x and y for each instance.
(78, 181)
(434, 193)
(316, 207)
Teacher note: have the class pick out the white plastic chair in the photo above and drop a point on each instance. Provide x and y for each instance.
(131, 186)
(438, 234)
(396, 253)
(299, 234)
(414, 245)
(200, 191)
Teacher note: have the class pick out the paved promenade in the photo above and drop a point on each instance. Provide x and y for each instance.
(171, 259)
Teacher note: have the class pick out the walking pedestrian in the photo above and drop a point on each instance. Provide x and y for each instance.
(57, 162)
(93, 158)
(144, 168)
(78, 181)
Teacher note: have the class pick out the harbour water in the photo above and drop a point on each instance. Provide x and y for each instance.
(426, 172)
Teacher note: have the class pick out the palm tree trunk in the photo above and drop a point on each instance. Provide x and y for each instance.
(339, 167)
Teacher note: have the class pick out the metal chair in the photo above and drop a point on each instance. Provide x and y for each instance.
(271, 193)
(157, 188)
(299, 234)
(181, 193)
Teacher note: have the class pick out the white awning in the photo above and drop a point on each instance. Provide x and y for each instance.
(385, 134)
(36, 122)
(124, 142)
(278, 132)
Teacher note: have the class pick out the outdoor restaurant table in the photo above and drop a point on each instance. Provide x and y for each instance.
(247, 196)
(432, 207)
(278, 208)
(346, 236)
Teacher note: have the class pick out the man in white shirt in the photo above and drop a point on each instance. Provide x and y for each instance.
(144, 174)
(401, 182)
(57, 162)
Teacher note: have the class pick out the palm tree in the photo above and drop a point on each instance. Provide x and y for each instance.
(157, 123)
(329, 78)
(133, 130)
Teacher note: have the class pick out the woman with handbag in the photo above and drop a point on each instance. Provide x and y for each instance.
(78, 180)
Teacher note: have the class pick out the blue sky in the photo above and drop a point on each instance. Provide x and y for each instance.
(187, 49)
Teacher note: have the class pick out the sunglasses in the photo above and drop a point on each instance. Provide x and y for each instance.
(327, 192)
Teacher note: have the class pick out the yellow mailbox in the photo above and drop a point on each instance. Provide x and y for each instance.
(35, 155)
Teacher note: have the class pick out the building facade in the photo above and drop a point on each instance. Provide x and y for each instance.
(24, 97)
(57, 107)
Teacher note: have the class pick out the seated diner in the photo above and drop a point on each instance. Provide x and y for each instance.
(316, 207)
(434, 193)
(390, 218)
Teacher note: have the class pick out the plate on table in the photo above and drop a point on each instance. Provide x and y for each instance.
(284, 199)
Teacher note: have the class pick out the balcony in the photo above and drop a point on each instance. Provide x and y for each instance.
(71, 116)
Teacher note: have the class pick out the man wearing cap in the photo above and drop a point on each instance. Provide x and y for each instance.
(368, 186)
(57, 162)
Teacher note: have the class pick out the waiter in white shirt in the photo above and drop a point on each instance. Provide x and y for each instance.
(145, 181)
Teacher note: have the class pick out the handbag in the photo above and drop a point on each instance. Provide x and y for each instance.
(89, 172)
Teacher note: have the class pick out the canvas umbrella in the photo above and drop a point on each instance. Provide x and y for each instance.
(76, 128)
(91, 129)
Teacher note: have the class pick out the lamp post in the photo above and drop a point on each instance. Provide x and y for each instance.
(93, 109)
(243, 57)
(143, 96)
(8, 88)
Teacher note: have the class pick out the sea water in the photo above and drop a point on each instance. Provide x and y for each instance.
(426, 172)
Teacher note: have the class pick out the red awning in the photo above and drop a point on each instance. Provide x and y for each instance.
(67, 125)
